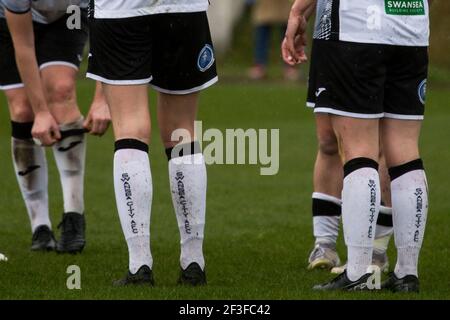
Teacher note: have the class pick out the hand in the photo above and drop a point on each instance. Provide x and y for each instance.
(45, 129)
(294, 43)
(98, 119)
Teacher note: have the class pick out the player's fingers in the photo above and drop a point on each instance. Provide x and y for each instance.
(287, 56)
(291, 54)
(299, 41)
(88, 122)
(96, 127)
(300, 44)
(291, 33)
(303, 58)
(56, 134)
(102, 128)
(47, 139)
(107, 124)
(302, 55)
(41, 136)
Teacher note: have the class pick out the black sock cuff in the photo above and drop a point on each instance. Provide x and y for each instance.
(397, 172)
(183, 150)
(324, 208)
(359, 163)
(22, 130)
(131, 144)
(385, 220)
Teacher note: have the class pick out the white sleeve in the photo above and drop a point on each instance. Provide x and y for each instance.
(17, 6)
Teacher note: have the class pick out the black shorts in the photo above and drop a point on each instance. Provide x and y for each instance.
(55, 45)
(172, 52)
(368, 81)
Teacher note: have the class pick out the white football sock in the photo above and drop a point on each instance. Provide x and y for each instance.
(360, 207)
(410, 209)
(188, 182)
(30, 165)
(133, 189)
(70, 157)
(326, 218)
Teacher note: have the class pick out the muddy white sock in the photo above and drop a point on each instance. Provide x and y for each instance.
(70, 157)
(188, 180)
(133, 189)
(30, 166)
(410, 209)
(326, 217)
(360, 207)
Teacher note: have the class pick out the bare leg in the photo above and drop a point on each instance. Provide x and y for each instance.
(70, 153)
(328, 167)
(129, 112)
(326, 206)
(59, 82)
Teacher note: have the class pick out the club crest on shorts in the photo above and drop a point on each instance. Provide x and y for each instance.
(422, 91)
(206, 58)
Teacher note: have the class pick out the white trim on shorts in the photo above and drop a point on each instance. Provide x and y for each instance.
(403, 116)
(188, 91)
(58, 63)
(119, 82)
(41, 67)
(366, 116)
(12, 86)
(349, 114)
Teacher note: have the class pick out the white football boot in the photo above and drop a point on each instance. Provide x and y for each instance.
(324, 256)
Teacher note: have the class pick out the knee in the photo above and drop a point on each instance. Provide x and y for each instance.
(328, 144)
(61, 91)
(20, 109)
(22, 114)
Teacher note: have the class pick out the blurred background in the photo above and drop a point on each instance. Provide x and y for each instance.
(248, 33)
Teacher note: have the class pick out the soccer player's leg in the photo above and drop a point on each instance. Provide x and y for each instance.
(30, 166)
(361, 198)
(346, 78)
(405, 107)
(132, 176)
(326, 202)
(59, 51)
(28, 159)
(188, 180)
(69, 153)
(120, 57)
(409, 199)
(183, 66)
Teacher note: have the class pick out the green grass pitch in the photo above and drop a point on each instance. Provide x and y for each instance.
(258, 231)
